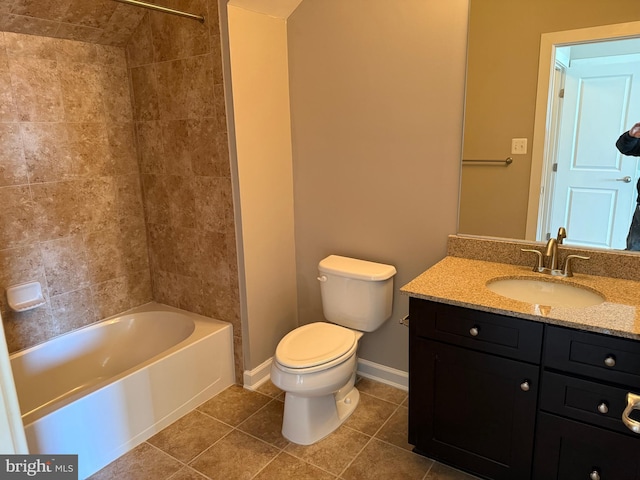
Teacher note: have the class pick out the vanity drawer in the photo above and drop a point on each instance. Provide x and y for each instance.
(487, 332)
(612, 359)
(586, 401)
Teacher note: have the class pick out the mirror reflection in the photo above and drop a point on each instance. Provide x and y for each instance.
(551, 85)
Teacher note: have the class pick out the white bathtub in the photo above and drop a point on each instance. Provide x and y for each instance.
(101, 390)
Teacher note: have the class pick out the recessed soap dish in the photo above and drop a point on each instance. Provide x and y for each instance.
(25, 296)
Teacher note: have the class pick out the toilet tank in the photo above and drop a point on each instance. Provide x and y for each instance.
(356, 294)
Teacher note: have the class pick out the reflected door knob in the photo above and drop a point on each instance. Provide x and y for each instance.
(626, 179)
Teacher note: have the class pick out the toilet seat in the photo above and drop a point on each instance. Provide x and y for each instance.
(314, 347)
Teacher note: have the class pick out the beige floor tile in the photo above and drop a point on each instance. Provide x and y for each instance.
(370, 414)
(332, 453)
(380, 390)
(189, 436)
(381, 461)
(266, 424)
(396, 430)
(234, 405)
(442, 472)
(236, 456)
(268, 388)
(142, 463)
(286, 466)
(186, 473)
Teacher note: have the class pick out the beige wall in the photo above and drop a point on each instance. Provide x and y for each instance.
(504, 42)
(71, 213)
(260, 72)
(179, 111)
(376, 108)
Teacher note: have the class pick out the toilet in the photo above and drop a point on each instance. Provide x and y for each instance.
(315, 364)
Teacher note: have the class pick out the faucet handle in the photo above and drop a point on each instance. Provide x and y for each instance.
(539, 267)
(568, 272)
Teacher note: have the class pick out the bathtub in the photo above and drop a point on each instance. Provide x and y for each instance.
(103, 389)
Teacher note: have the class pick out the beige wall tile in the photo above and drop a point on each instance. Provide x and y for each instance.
(145, 93)
(140, 46)
(47, 152)
(28, 25)
(65, 264)
(30, 46)
(74, 52)
(13, 168)
(48, 9)
(72, 310)
(150, 148)
(57, 209)
(8, 109)
(17, 217)
(82, 92)
(36, 90)
(184, 88)
(91, 14)
(89, 150)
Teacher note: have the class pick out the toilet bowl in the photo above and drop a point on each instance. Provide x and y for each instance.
(315, 364)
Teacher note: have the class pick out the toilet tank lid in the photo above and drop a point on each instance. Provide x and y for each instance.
(354, 268)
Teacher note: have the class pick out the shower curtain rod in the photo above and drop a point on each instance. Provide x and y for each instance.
(158, 8)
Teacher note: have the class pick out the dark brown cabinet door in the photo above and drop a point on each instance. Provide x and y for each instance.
(472, 410)
(569, 450)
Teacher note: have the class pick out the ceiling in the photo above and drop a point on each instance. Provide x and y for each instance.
(94, 21)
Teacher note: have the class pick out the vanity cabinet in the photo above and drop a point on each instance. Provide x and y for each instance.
(584, 387)
(473, 386)
(507, 398)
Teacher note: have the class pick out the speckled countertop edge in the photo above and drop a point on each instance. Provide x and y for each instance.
(462, 282)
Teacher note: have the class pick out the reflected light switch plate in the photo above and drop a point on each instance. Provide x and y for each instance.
(518, 146)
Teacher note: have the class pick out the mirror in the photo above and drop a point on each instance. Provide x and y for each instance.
(506, 47)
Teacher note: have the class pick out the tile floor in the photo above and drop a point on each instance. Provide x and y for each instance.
(236, 435)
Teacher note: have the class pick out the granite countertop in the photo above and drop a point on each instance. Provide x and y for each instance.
(462, 282)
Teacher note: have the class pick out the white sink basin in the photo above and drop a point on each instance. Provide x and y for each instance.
(542, 292)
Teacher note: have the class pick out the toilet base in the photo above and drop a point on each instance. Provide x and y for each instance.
(308, 420)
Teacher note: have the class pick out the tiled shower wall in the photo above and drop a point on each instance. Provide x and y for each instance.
(71, 213)
(179, 111)
(71, 208)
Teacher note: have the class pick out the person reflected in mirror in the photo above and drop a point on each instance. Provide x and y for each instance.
(629, 144)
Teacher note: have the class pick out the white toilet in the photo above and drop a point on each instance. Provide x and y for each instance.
(315, 364)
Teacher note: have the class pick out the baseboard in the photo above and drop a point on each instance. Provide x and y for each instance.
(252, 379)
(380, 373)
(383, 374)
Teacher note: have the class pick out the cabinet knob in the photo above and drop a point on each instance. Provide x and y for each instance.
(610, 361)
(474, 331)
(595, 475)
(524, 386)
(603, 408)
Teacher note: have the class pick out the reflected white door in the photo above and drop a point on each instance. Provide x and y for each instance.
(594, 192)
